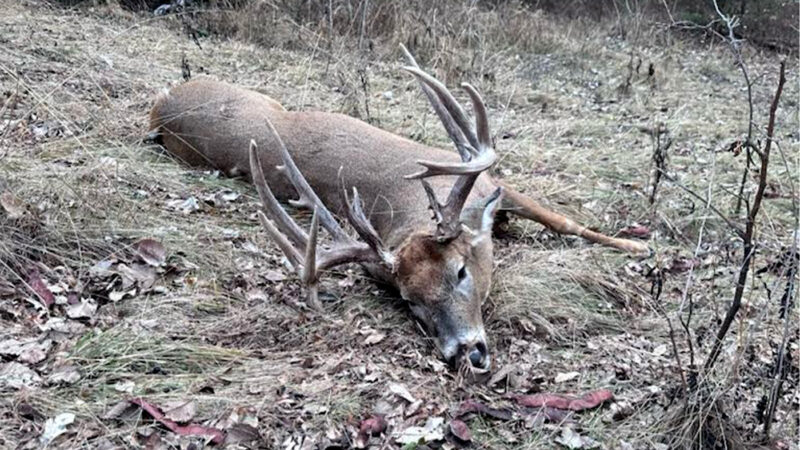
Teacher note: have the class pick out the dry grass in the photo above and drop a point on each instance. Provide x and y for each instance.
(567, 134)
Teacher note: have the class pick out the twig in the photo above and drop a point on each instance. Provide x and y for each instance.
(712, 208)
(686, 296)
(362, 73)
(749, 247)
(659, 157)
(786, 304)
(736, 49)
(330, 35)
(779, 372)
(364, 6)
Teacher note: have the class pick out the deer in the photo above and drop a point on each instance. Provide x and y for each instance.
(335, 165)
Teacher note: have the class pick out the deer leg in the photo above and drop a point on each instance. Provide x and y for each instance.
(520, 204)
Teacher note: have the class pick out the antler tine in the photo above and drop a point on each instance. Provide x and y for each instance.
(292, 240)
(456, 135)
(308, 198)
(294, 257)
(270, 204)
(480, 151)
(481, 119)
(477, 156)
(436, 168)
(309, 273)
(355, 214)
(449, 102)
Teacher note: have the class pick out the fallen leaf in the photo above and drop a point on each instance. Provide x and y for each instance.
(660, 350)
(14, 375)
(374, 338)
(64, 375)
(11, 347)
(587, 401)
(570, 439)
(126, 386)
(116, 296)
(564, 377)
(39, 287)
(13, 206)
(432, 431)
(402, 392)
(55, 427)
(373, 426)
(123, 410)
(275, 276)
(501, 374)
(243, 435)
(83, 310)
(474, 407)
(216, 435)
(151, 251)
(639, 231)
(102, 269)
(186, 206)
(256, 295)
(136, 274)
(682, 264)
(34, 352)
(460, 430)
(180, 411)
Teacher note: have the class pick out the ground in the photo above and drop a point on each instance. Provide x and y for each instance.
(165, 288)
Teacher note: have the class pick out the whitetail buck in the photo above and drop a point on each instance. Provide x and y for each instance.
(339, 165)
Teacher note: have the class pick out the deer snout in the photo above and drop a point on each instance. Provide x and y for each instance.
(473, 352)
(478, 356)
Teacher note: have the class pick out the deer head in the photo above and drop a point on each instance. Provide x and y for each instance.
(444, 272)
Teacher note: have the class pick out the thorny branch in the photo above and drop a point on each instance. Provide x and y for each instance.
(747, 239)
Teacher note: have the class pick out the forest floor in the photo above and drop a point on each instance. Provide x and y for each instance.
(165, 288)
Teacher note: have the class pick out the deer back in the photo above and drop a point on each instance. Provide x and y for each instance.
(210, 123)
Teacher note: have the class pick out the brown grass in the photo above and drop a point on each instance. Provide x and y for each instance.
(567, 134)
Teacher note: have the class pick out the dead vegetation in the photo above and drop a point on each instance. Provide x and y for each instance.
(207, 323)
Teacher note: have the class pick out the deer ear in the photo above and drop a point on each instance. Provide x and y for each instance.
(491, 204)
(479, 216)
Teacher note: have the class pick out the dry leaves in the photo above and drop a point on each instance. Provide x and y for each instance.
(568, 376)
(558, 401)
(215, 435)
(13, 206)
(14, 375)
(432, 431)
(460, 430)
(40, 288)
(151, 252)
(55, 427)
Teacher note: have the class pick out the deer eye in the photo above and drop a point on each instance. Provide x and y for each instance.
(462, 273)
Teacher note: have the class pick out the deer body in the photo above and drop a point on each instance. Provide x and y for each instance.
(210, 124)
(443, 267)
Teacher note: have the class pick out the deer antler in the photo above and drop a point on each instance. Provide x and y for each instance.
(301, 248)
(474, 145)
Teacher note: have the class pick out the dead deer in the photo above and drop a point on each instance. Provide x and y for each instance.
(341, 165)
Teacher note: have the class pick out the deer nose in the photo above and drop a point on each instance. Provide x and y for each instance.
(479, 356)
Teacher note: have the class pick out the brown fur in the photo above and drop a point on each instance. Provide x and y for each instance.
(208, 123)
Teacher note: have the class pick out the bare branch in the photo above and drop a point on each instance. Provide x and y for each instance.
(749, 247)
